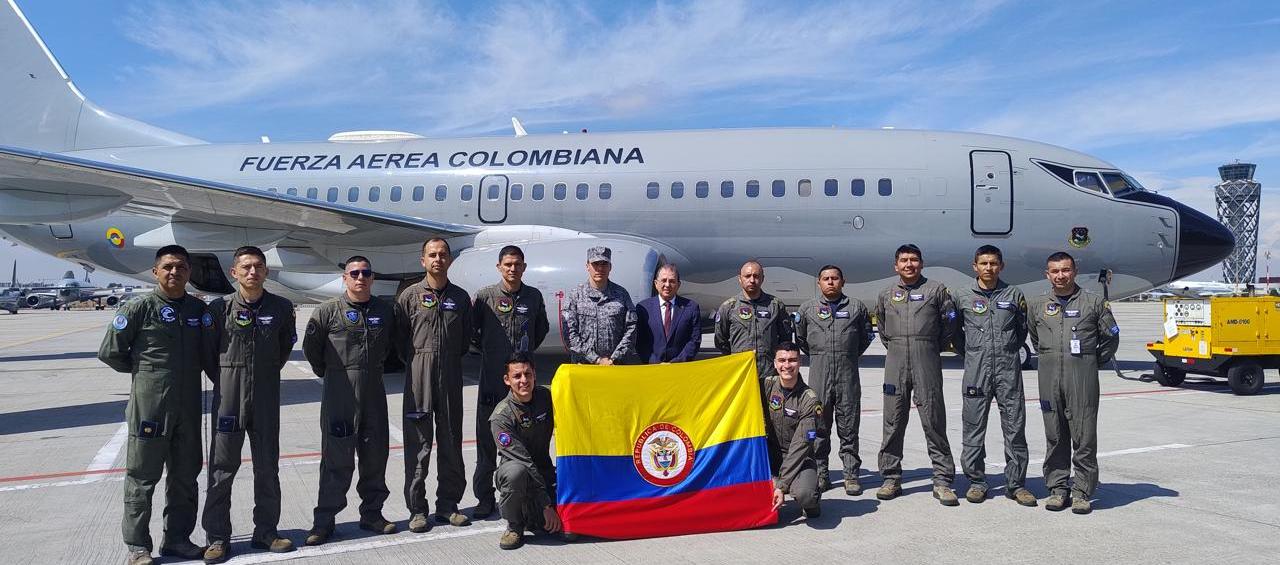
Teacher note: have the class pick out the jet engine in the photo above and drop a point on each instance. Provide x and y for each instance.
(556, 267)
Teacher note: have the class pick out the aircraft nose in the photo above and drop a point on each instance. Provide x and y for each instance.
(1202, 242)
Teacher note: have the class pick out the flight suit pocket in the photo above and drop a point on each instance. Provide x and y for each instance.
(147, 405)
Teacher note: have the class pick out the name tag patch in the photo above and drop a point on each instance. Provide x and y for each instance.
(764, 314)
(789, 411)
(522, 309)
(1004, 305)
(916, 297)
(449, 304)
(842, 315)
(374, 320)
(265, 320)
(193, 322)
(1071, 313)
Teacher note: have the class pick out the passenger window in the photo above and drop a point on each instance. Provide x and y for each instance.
(885, 186)
(581, 190)
(831, 187)
(606, 191)
(859, 187)
(395, 193)
(677, 190)
(493, 192)
(726, 189)
(804, 188)
(779, 188)
(374, 193)
(291, 191)
(701, 189)
(1089, 181)
(419, 192)
(467, 191)
(561, 190)
(538, 191)
(273, 190)
(333, 194)
(313, 193)
(442, 192)
(753, 188)
(651, 190)
(353, 194)
(517, 191)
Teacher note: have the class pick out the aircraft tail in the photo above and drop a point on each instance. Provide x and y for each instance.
(40, 108)
(13, 283)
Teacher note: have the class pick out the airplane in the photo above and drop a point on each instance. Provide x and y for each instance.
(69, 291)
(11, 298)
(87, 185)
(1201, 289)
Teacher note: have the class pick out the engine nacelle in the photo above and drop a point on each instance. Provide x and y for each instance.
(555, 267)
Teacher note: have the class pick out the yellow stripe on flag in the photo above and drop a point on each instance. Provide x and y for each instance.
(602, 410)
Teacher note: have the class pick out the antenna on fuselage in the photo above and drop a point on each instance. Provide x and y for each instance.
(515, 124)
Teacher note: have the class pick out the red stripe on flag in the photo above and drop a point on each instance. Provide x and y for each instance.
(734, 507)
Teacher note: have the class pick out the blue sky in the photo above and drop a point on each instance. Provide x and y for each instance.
(1165, 90)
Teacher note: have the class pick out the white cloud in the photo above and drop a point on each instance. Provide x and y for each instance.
(547, 62)
(1108, 112)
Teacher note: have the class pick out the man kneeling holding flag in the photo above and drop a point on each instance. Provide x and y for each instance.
(791, 414)
(522, 424)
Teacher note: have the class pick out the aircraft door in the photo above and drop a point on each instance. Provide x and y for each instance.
(492, 199)
(992, 193)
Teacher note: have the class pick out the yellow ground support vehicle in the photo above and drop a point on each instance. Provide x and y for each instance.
(1232, 337)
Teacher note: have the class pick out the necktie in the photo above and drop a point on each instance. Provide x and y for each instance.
(666, 318)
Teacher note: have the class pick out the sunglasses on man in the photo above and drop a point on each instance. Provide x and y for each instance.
(358, 273)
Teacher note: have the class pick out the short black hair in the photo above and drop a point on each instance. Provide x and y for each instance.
(517, 358)
(248, 250)
(1060, 256)
(506, 250)
(176, 250)
(828, 268)
(988, 250)
(667, 267)
(908, 248)
(786, 346)
(441, 240)
(357, 259)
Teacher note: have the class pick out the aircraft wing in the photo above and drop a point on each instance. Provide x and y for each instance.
(212, 202)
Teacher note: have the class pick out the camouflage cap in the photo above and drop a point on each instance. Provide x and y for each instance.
(599, 253)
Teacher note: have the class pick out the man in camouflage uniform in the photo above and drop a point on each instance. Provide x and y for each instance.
(164, 339)
(791, 411)
(256, 332)
(917, 322)
(521, 427)
(753, 321)
(835, 330)
(599, 318)
(510, 317)
(348, 340)
(993, 327)
(434, 332)
(1073, 332)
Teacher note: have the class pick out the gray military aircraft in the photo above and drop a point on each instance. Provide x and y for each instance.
(81, 183)
(68, 291)
(12, 298)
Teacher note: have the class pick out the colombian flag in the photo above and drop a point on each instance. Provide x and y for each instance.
(660, 450)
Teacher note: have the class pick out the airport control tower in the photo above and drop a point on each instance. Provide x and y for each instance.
(1239, 206)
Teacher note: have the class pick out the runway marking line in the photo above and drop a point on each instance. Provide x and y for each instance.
(42, 476)
(50, 336)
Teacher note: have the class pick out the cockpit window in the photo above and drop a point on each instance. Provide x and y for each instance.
(1121, 184)
(1059, 171)
(1089, 181)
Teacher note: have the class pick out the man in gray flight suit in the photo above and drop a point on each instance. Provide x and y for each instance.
(347, 342)
(835, 330)
(256, 332)
(521, 427)
(1073, 332)
(752, 321)
(993, 328)
(791, 425)
(164, 339)
(917, 322)
(434, 332)
(510, 317)
(599, 318)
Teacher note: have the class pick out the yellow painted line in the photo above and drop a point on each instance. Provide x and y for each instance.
(50, 336)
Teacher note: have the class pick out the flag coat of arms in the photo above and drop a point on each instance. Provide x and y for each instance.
(659, 450)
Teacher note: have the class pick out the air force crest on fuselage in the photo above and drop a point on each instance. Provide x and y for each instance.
(1079, 237)
(663, 454)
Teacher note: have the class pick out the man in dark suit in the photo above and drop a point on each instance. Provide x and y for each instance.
(668, 327)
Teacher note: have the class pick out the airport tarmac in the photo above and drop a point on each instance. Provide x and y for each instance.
(1187, 475)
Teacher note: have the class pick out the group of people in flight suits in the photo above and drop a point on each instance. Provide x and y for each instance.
(242, 341)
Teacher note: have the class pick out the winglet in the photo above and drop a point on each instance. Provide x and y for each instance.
(515, 123)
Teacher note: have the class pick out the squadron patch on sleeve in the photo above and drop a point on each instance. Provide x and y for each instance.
(120, 322)
(504, 439)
